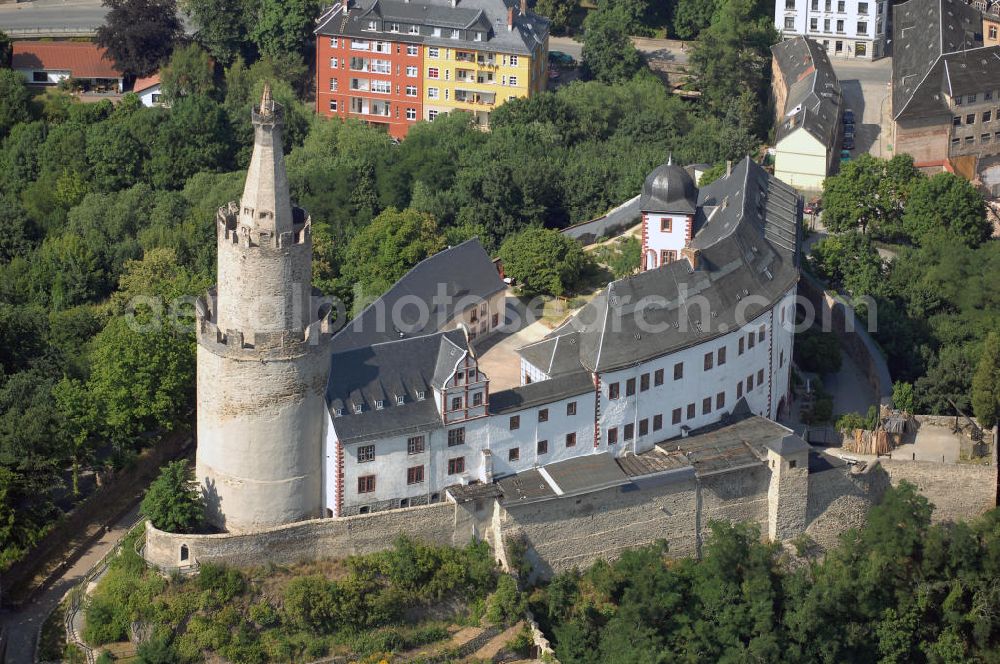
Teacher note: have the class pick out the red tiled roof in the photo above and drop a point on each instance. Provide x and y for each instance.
(81, 59)
(146, 82)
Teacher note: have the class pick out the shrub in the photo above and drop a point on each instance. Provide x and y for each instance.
(506, 605)
(223, 582)
(311, 602)
(173, 501)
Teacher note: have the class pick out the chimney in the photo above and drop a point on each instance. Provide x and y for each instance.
(510, 19)
(692, 255)
(729, 167)
(524, 7)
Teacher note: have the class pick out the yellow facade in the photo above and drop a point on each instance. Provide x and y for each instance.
(478, 81)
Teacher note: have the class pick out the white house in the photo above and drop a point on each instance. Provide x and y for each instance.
(844, 28)
(808, 111)
(48, 63)
(148, 89)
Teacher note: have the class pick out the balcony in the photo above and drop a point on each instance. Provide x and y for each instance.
(475, 97)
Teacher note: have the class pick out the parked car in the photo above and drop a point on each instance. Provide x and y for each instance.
(849, 131)
(848, 143)
(562, 59)
(845, 156)
(813, 207)
(848, 116)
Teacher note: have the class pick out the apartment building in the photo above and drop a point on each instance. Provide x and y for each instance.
(392, 63)
(845, 28)
(945, 87)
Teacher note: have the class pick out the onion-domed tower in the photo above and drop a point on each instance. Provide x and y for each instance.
(668, 203)
(263, 353)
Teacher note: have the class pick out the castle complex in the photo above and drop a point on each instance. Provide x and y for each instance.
(395, 410)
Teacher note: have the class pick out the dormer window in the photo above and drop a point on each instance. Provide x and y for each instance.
(399, 400)
(373, 25)
(420, 395)
(338, 412)
(379, 404)
(477, 36)
(414, 29)
(357, 409)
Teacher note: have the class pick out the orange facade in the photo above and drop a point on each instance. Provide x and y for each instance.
(376, 81)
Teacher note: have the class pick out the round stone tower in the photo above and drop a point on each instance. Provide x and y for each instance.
(263, 353)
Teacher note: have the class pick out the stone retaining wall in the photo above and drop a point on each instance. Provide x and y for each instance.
(958, 491)
(839, 499)
(307, 540)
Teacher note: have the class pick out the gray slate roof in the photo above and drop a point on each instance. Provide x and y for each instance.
(747, 234)
(542, 392)
(384, 371)
(814, 98)
(938, 49)
(462, 271)
(669, 188)
(490, 16)
(554, 355)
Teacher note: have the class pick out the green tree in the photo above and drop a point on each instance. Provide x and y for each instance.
(139, 35)
(506, 605)
(986, 383)
(14, 101)
(115, 156)
(849, 261)
(869, 195)
(608, 53)
(946, 207)
(196, 137)
(190, 72)
(284, 27)
(732, 57)
(563, 13)
(391, 244)
(173, 502)
(142, 378)
(712, 174)
(221, 27)
(902, 396)
(818, 352)
(543, 261)
(78, 418)
(692, 16)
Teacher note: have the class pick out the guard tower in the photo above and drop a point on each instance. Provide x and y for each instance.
(263, 353)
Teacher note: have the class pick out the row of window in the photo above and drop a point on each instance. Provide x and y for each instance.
(457, 403)
(628, 430)
(984, 138)
(410, 29)
(970, 118)
(862, 27)
(543, 415)
(712, 359)
(958, 100)
(411, 113)
(828, 6)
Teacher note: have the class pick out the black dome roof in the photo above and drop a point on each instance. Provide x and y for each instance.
(669, 188)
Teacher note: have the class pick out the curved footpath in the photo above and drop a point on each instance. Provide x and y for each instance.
(22, 626)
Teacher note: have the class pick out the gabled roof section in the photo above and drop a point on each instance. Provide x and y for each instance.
(405, 368)
(938, 51)
(81, 59)
(490, 16)
(449, 280)
(451, 350)
(748, 246)
(813, 98)
(554, 355)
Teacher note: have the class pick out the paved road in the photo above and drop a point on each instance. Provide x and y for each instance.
(22, 626)
(78, 15)
(866, 90)
(665, 50)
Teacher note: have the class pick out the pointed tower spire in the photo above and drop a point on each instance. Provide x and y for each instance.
(266, 103)
(265, 206)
